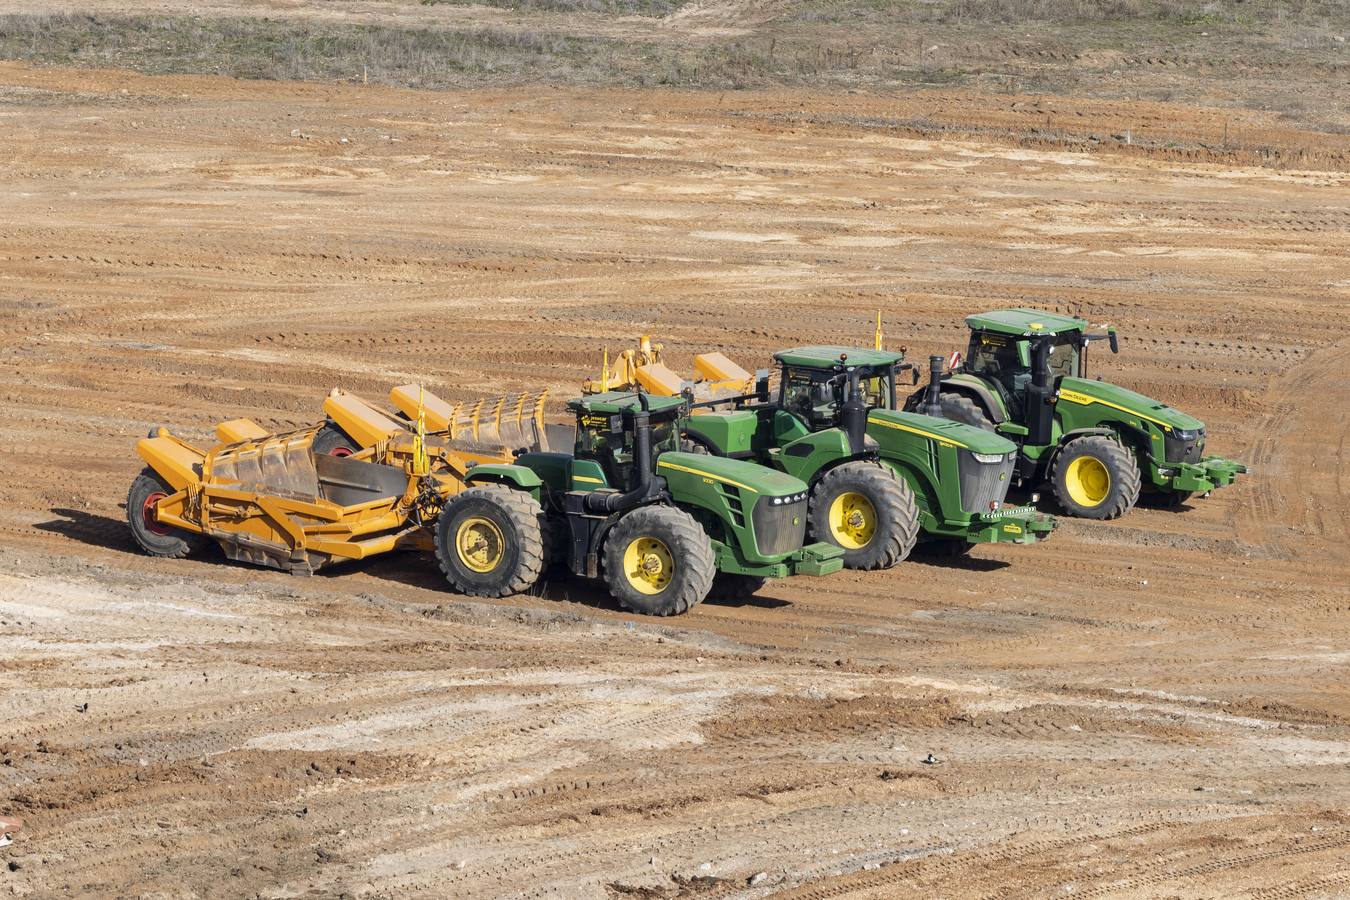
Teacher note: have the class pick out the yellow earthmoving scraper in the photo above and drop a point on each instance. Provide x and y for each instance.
(643, 369)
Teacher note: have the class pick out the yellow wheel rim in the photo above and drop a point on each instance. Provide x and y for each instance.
(1088, 481)
(480, 544)
(648, 564)
(853, 520)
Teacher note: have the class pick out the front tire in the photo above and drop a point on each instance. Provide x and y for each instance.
(658, 561)
(490, 541)
(150, 535)
(867, 510)
(1094, 477)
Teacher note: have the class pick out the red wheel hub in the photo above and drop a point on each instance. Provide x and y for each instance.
(148, 513)
(340, 451)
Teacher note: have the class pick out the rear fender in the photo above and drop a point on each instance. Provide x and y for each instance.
(176, 461)
(978, 392)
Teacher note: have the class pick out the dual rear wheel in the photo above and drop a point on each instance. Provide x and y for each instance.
(657, 560)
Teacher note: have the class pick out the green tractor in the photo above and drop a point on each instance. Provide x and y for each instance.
(881, 479)
(1097, 444)
(662, 527)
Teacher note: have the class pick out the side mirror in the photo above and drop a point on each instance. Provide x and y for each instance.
(1012, 428)
(762, 385)
(1111, 339)
(913, 375)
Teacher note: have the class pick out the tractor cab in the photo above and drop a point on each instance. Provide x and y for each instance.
(815, 382)
(606, 436)
(1023, 355)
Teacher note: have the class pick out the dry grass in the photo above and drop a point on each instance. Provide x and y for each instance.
(1279, 55)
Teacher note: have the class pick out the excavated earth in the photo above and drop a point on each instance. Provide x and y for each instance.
(1157, 706)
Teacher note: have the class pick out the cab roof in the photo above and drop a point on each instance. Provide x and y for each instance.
(825, 357)
(614, 402)
(1024, 322)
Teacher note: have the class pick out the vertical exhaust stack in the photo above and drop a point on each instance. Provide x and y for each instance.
(854, 414)
(932, 400)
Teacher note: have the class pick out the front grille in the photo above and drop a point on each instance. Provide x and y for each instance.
(983, 484)
(779, 529)
(1188, 451)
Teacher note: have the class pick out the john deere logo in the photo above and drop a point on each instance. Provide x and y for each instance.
(1002, 476)
(796, 520)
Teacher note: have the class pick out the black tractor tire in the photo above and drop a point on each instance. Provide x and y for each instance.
(729, 586)
(962, 409)
(152, 537)
(1095, 477)
(330, 440)
(490, 541)
(671, 558)
(894, 514)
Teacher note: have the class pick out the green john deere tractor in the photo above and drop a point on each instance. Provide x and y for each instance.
(1099, 445)
(880, 479)
(662, 527)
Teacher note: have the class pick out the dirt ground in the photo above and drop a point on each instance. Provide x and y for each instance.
(1157, 706)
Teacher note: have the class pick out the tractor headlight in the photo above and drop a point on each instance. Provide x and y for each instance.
(1183, 435)
(988, 458)
(790, 498)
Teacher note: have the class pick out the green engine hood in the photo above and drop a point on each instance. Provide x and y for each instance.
(744, 475)
(884, 422)
(1087, 393)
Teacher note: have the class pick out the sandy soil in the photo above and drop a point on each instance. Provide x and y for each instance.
(1152, 707)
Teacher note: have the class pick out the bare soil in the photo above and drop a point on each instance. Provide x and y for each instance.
(1156, 706)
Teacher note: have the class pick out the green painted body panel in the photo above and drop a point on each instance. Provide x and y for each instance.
(520, 476)
(924, 452)
(810, 454)
(824, 357)
(586, 475)
(723, 495)
(1112, 403)
(893, 423)
(733, 432)
(1022, 322)
(553, 469)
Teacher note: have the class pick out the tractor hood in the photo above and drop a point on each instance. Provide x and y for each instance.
(746, 476)
(1085, 392)
(884, 422)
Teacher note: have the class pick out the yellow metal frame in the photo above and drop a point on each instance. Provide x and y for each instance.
(643, 368)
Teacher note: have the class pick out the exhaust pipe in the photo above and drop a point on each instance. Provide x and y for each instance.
(854, 418)
(647, 484)
(932, 399)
